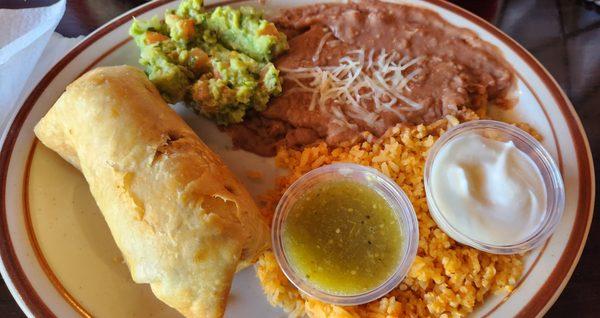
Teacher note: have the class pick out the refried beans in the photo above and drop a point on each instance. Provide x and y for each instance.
(455, 69)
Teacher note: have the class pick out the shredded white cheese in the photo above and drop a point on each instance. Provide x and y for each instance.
(324, 39)
(365, 83)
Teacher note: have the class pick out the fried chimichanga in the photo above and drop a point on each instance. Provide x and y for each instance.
(181, 219)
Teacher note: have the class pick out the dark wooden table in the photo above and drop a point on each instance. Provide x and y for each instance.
(563, 34)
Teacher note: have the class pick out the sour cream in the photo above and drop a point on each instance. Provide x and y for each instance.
(488, 190)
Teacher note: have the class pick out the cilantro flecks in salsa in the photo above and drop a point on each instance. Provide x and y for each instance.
(343, 237)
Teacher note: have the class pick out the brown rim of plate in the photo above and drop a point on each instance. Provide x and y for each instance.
(539, 303)
(72, 301)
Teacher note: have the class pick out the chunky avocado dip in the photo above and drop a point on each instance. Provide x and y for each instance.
(217, 61)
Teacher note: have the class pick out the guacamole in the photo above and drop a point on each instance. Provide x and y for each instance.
(217, 61)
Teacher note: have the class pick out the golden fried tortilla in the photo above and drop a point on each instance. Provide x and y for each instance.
(181, 219)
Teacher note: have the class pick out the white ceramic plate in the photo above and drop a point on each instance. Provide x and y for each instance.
(60, 261)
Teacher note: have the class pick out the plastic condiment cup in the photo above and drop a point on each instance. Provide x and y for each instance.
(555, 193)
(375, 180)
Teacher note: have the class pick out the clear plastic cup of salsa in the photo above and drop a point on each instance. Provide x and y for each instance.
(345, 234)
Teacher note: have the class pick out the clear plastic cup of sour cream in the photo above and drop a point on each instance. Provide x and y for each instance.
(465, 225)
(386, 188)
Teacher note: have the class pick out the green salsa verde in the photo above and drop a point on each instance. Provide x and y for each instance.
(343, 238)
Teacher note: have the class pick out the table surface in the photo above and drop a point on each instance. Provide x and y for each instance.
(564, 35)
